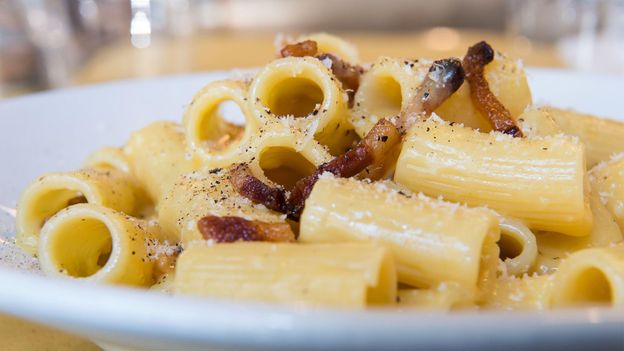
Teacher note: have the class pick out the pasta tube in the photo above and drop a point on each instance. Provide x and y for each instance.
(601, 136)
(108, 158)
(590, 276)
(541, 181)
(284, 155)
(386, 89)
(96, 244)
(526, 293)
(331, 44)
(538, 123)
(157, 155)
(443, 297)
(201, 193)
(214, 140)
(432, 241)
(607, 180)
(345, 275)
(605, 232)
(304, 92)
(113, 158)
(507, 81)
(55, 191)
(518, 246)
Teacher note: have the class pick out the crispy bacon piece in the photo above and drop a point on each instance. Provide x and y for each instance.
(443, 79)
(347, 74)
(246, 184)
(384, 141)
(229, 229)
(499, 117)
(372, 150)
(301, 49)
(77, 200)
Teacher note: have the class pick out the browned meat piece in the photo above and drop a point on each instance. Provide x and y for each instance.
(347, 74)
(301, 49)
(255, 190)
(372, 150)
(229, 229)
(499, 117)
(442, 80)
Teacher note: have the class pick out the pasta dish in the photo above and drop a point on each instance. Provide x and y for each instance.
(406, 183)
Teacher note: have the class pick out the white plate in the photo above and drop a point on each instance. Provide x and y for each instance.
(55, 131)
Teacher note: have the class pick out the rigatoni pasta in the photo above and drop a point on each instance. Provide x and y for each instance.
(444, 297)
(157, 155)
(385, 89)
(347, 275)
(542, 181)
(108, 158)
(294, 88)
(602, 137)
(214, 140)
(590, 277)
(522, 293)
(433, 241)
(94, 243)
(53, 192)
(407, 183)
(201, 193)
(607, 181)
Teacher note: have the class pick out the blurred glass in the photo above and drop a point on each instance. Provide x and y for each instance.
(589, 34)
(51, 43)
(48, 27)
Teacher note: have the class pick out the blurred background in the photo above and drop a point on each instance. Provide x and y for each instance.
(47, 44)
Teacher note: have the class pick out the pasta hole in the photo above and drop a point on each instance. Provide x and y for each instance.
(588, 287)
(49, 203)
(284, 166)
(222, 126)
(509, 246)
(294, 96)
(80, 247)
(383, 97)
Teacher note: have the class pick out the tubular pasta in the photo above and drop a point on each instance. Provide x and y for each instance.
(53, 192)
(214, 140)
(348, 275)
(97, 244)
(201, 193)
(540, 181)
(413, 227)
(302, 90)
(157, 155)
(590, 277)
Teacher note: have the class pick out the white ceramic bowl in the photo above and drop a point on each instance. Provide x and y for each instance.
(55, 131)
